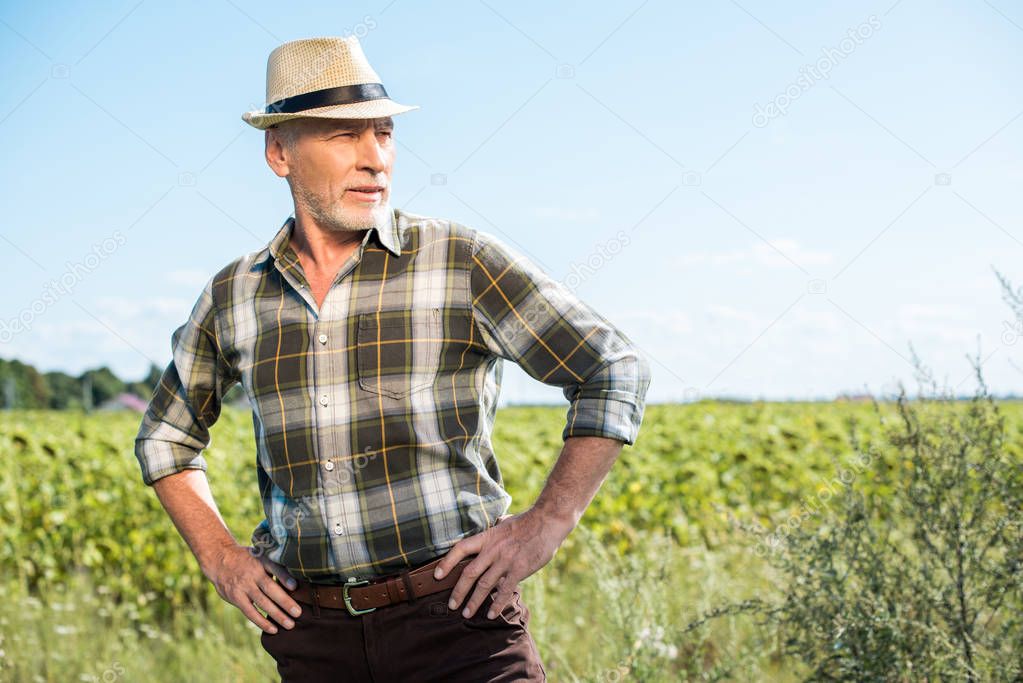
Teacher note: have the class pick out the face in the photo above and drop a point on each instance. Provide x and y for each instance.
(339, 170)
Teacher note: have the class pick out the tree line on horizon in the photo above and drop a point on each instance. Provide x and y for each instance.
(24, 387)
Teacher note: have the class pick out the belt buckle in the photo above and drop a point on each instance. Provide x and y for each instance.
(352, 582)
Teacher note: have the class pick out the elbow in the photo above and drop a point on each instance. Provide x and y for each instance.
(623, 377)
(644, 373)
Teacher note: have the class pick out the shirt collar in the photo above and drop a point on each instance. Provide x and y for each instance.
(389, 236)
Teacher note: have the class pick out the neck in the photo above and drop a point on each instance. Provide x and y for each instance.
(322, 247)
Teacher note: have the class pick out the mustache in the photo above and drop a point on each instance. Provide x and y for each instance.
(369, 183)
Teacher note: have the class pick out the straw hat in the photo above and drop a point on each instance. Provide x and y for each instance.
(324, 78)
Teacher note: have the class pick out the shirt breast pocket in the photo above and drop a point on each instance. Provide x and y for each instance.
(398, 352)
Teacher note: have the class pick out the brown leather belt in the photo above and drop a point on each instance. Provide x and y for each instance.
(359, 597)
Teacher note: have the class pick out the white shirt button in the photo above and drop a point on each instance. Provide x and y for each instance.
(328, 465)
(323, 400)
(338, 529)
(322, 338)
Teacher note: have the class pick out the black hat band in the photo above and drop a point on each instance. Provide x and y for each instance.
(344, 94)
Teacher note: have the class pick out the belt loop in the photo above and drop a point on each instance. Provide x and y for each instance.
(406, 579)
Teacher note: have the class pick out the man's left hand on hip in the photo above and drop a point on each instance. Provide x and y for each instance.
(514, 548)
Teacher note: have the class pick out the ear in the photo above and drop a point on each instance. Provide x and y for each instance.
(276, 154)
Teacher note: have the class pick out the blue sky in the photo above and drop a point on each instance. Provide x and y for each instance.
(770, 254)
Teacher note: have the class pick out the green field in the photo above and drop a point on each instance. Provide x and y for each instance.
(99, 586)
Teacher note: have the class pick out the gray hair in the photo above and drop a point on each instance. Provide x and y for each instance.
(287, 132)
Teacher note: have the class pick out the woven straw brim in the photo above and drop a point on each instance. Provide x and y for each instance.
(370, 109)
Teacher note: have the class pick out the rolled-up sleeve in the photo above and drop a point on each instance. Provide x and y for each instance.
(526, 316)
(187, 401)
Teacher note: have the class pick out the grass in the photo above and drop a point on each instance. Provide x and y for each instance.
(100, 587)
(625, 621)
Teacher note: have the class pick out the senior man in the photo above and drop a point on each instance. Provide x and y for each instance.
(369, 342)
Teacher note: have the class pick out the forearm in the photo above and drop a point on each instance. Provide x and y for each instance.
(577, 475)
(189, 502)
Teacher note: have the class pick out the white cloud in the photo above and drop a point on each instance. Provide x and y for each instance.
(566, 214)
(717, 312)
(780, 253)
(948, 322)
(927, 312)
(675, 322)
(123, 308)
(194, 279)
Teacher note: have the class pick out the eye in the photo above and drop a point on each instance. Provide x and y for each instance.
(388, 133)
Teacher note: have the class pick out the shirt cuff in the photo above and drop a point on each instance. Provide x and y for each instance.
(610, 414)
(262, 539)
(159, 459)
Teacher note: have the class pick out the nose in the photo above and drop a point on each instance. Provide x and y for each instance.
(372, 156)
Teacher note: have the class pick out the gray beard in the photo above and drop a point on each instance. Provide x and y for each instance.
(335, 218)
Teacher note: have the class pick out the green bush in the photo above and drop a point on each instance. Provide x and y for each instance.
(913, 571)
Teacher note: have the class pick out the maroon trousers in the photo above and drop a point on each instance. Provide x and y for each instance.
(417, 641)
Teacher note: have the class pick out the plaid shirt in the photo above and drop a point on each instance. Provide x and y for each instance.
(373, 414)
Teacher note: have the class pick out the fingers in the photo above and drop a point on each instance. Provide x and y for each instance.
(470, 545)
(250, 611)
(491, 579)
(467, 579)
(487, 567)
(274, 590)
(280, 597)
(247, 582)
(282, 574)
(263, 601)
(505, 594)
